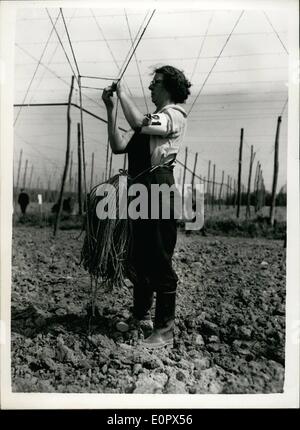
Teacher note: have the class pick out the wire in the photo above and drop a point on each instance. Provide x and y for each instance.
(199, 177)
(138, 42)
(182, 36)
(119, 68)
(63, 48)
(268, 19)
(98, 77)
(284, 106)
(35, 72)
(202, 44)
(60, 78)
(35, 149)
(136, 62)
(92, 88)
(52, 56)
(70, 43)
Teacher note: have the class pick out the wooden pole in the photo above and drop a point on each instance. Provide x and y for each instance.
(220, 192)
(194, 171)
(240, 174)
(48, 188)
(70, 173)
(75, 183)
(110, 164)
(19, 168)
(30, 177)
(92, 172)
(257, 186)
(213, 187)
(124, 162)
(227, 191)
(275, 173)
(106, 161)
(184, 174)
(234, 193)
(25, 174)
(79, 180)
(67, 159)
(208, 183)
(252, 156)
(260, 190)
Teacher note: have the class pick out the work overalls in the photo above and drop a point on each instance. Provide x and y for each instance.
(152, 241)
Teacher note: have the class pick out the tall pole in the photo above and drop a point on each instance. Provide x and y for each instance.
(252, 156)
(230, 190)
(234, 193)
(275, 173)
(259, 197)
(92, 171)
(257, 186)
(240, 174)
(48, 188)
(67, 159)
(227, 191)
(70, 172)
(30, 177)
(208, 183)
(124, 162)
(183, 179)
(79, 180)
(194, 171)
(213, 188)
(110, 165)
(75, 183)
(19, 168)
(220, 192)
(25, 174)
(106, 161)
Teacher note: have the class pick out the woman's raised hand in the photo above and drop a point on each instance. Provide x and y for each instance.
(107, 97)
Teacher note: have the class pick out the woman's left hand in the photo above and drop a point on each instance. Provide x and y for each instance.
(120, 88)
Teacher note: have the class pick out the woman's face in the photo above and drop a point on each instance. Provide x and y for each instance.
(159, 95)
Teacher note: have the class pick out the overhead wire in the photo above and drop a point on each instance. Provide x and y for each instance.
(137, 44)
(108, 46)
(208, 75)
(136, 62)
(52, 56)
(70, 43)
(284, 47)
(62, 46)
(201, 46)
(35, 72)
(269, 21)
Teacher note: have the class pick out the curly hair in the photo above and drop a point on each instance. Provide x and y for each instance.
(175, 83)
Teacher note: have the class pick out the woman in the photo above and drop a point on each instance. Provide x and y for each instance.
(153, 141)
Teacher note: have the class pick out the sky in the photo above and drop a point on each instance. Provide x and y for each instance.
(236, 60)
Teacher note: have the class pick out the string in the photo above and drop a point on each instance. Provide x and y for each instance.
(209, 73)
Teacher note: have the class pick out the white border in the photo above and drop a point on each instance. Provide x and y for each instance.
(290, 397)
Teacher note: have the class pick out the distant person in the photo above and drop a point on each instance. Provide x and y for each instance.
(23, 201)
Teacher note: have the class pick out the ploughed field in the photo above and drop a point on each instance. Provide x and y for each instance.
(230, 320)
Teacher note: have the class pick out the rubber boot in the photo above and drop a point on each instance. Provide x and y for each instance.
(162, 334)
(142, 300)
(141, 313)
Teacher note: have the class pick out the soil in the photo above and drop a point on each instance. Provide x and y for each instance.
(230, 320)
